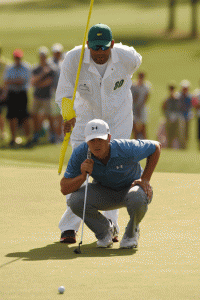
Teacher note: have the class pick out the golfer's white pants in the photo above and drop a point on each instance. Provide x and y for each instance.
(70, 221)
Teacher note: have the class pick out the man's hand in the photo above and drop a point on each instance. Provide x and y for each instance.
(68, 125)
(145, 185)
(46, 70)
(87, 167)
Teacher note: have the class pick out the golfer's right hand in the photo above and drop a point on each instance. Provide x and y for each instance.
(87, 167)
(68, 125)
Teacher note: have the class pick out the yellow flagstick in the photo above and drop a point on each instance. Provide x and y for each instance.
(67, 104)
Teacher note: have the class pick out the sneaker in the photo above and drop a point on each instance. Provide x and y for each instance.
(107, 241)
(68, 236)
(36, 137)
(128, 242)
(29, 144)
(115, 239)
(12, 144)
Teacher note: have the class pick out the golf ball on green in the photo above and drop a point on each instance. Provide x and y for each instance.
(61, 289)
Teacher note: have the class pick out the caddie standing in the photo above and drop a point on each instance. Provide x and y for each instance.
(103, 92)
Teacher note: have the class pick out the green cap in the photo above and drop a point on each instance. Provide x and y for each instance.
(100, 34)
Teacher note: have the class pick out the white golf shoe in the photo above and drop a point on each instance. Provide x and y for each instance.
(107, 241)
(128, 242)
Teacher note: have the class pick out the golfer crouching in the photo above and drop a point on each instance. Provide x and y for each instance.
(119, 181)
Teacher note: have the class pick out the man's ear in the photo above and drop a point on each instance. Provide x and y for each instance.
(112, 44)
(109, 138)
(88, 44)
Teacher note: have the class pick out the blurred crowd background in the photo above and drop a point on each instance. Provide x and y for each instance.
(28, 108)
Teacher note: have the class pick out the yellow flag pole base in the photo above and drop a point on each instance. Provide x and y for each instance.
(68, 113)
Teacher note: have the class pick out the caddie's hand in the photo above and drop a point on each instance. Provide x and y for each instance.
(87, 167)
(67, 125)
(145, 185)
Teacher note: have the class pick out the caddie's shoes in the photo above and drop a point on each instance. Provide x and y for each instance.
(115, 234)
(68, 236)
(115, 239)
(128, 242)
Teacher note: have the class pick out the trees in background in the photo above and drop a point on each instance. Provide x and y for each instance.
(194, 17)
(171, 24)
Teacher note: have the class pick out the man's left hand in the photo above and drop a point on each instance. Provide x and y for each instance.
(145, 185)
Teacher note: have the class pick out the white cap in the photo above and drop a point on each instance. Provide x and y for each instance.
(185, 83)
(43, 50)
(57, 48)
(96, 129)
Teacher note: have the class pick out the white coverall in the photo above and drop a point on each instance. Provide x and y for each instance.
(108, 98)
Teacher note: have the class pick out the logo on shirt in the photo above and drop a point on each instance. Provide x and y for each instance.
(118, 84)
(84, 87)
(119, 167)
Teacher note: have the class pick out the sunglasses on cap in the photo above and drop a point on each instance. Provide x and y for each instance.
(97, 47)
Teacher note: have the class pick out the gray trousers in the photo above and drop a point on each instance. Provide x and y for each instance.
(103, 198)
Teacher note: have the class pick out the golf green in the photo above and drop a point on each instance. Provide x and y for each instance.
(34, 264)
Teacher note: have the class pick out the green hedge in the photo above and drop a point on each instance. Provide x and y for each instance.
(60, 4)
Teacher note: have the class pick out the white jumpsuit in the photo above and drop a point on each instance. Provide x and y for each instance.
(108, 98)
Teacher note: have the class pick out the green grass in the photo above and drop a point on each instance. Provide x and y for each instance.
(166, 266)
(34, 264)
(164, 58)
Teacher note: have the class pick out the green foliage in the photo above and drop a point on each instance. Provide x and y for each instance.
(61, 4)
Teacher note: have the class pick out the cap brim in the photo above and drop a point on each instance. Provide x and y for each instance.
(99, 43)
(95, 136)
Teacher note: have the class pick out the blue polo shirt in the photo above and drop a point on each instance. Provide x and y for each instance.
(122, 168)
(23, 71)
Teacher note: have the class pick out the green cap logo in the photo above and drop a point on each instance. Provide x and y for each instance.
(100, 35)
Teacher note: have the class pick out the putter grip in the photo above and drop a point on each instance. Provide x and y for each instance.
(89, 154)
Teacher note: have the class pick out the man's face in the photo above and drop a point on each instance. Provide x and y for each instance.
(42, 58)
(185, 90)
(17, 60)
(100, 56)
(57, 55)
(99, 148)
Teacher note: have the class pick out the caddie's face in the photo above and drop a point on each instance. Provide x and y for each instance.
(99, 148)
(100, 56)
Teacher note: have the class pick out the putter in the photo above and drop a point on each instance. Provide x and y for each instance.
(78, 250)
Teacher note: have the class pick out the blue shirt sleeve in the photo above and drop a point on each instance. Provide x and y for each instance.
(137, 150)
(79, 155)
(143, 149)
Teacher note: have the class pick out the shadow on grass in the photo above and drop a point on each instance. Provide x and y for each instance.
(63, 251)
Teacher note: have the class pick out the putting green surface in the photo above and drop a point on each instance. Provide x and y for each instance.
(34, 264)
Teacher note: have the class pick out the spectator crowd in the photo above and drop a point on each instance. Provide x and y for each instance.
(18, 79)
(179, 108)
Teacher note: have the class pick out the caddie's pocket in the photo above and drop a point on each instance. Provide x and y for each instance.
(85, 87)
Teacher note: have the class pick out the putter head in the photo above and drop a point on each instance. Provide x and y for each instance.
(77, 250)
